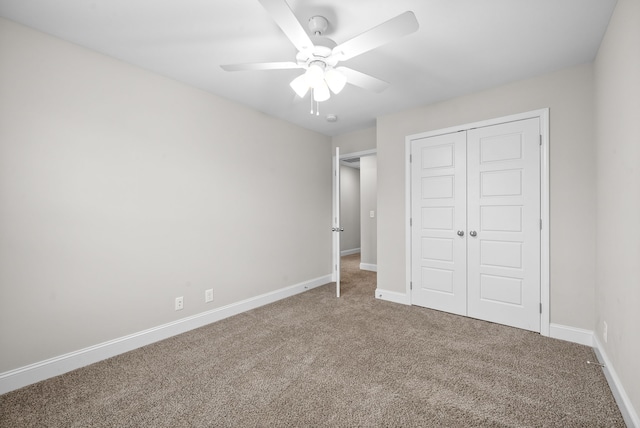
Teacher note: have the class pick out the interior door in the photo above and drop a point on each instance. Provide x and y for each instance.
(336, 228)
(438, 174)
(503, 209)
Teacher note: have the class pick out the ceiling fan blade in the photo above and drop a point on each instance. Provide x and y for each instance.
(261, 66)
(363, 80)
(288, 23)
(401, 25)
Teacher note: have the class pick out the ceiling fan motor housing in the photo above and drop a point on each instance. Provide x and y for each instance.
(318, 25)
(322, 51)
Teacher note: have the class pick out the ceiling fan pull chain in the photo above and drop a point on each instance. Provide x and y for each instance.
(311, 98)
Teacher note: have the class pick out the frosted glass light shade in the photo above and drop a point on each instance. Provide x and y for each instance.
(300, 85)
(314, 75)
(321, 92)
(335, 80)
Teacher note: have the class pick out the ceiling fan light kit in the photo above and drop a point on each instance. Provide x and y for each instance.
(319, 58)
(321, 79)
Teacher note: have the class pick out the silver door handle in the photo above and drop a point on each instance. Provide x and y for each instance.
(460, 233)
(473, 233)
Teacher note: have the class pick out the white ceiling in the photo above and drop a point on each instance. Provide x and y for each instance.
(462, 46)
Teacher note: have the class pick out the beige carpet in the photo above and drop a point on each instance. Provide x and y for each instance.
(314, 360)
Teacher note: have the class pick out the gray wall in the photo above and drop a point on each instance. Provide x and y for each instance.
(354, 142)
(349, 208)
(569, 95)
(121, 190)
(368, 203)
(617, 80)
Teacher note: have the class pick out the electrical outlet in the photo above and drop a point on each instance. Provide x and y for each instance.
(208, 295)
(605, 331)
(179, 303)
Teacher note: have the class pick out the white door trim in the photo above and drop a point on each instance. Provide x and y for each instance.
(336, 229)
(361, 154)
(543, 115)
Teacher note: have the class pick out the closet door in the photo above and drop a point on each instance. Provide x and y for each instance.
(438, 205)
(503, 208)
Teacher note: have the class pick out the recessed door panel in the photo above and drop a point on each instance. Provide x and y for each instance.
(438, 280)
(501, 183)
(501, 290)
(440, 249)
(440, 218)
(497, 218)
(438, 187)
(501, 148)
(501, 254)
(438, 156)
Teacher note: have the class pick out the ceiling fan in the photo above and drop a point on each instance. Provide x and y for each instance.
(320, 57)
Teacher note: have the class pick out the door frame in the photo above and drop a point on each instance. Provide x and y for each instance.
(337, 156)
(336, 225)
(543, 116)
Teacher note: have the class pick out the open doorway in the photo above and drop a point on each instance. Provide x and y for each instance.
(358, 207)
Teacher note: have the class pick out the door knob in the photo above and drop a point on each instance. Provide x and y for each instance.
(460, 233)
(473, 233)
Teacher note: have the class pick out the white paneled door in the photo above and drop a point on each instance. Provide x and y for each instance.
(336, 227)
(476, 223)
(439, 222)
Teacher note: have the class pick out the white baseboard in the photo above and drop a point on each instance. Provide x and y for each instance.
(368, 266)
(629, 414)
(588, 338)
(393, 296)
(349, 252)
(46, 369)
(571, 334)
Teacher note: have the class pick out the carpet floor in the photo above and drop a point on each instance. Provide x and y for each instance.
(315, 360)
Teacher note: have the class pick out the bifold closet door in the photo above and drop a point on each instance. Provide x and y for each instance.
(503, 211)
(439, 253)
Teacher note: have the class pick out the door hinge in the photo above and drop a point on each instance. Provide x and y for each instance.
(410, 222)
(410, 285)
(540, 307)
(410, 158)
(540, 139)
(540, 224)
